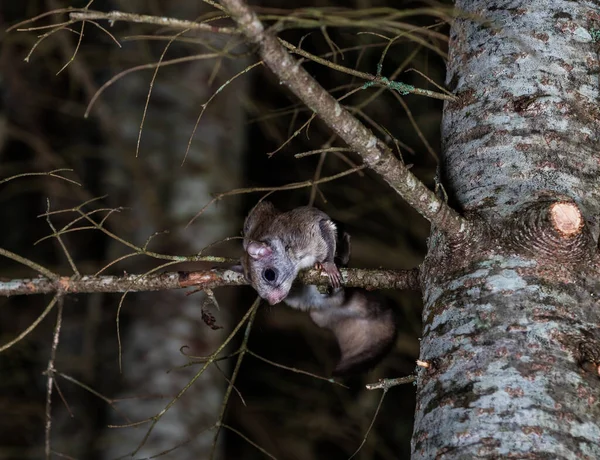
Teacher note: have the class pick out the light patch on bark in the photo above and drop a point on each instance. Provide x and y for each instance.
(582, 35)
(508, 262)
(372, 142)
(566, 218)
(434, 206)
(506, 280)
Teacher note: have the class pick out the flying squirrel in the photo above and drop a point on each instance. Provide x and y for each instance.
(277, 245)
(362, 322)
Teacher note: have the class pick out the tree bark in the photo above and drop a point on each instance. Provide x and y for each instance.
(511, 317)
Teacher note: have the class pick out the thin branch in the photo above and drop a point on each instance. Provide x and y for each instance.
(205, 105)
(386, 384)
(249, 441)
(372, 150)
(151, 65)
(243, 349)
(40, 16)
(122, 300)
(414, 124)
(297, 371)
(156, 20)
(366, 436)
(60, 241)
(230, 382)
(101, 227)
(72, 58)
(292, 186)
(110, 402)
(32, 326)
(49, 173)
(323, 150)
(316, 177)
(63, 399)
(373, 80)
(29, 263)
(202, 279)
(50, 370)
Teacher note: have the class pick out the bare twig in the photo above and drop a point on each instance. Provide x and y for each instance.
(29, 263)
(293, 369)
(366, 436)
(322, 150)
(110, 402)
(292, 186)
(49, 173)
(205, 105)
(249, 441)
(151, 65)
(152, 81)
(156, 20)
(243, 350)
(63, 399)
(386, 384)
(60, 241)
(316, 177)
(32, 326)
(101, 227)
(373, 80)
(50, 376)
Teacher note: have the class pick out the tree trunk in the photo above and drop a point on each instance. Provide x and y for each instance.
(164, 193)
(510, 314)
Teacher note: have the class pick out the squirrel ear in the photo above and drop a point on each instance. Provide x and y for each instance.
(258, 250)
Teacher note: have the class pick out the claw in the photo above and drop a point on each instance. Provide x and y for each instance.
(335, 277)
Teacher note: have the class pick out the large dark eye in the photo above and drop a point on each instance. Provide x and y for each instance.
(270, 274)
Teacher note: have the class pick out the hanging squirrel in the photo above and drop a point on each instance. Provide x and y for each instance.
(277, 245)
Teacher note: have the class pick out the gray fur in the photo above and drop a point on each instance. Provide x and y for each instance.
(363, 323)
(286, 242)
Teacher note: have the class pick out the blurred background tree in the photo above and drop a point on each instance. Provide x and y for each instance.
(247, 137)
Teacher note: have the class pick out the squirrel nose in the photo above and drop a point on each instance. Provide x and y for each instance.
(275, 297)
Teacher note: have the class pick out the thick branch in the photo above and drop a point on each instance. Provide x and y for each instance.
(205, 279)
(374, 152)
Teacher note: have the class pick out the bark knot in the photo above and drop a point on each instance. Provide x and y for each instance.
(589, 356)
(552, 232)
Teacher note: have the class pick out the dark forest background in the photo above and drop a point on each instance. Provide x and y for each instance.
(42, 128)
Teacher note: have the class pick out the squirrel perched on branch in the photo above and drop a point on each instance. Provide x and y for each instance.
(277, 245)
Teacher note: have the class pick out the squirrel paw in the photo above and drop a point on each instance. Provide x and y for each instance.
(335, 277)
